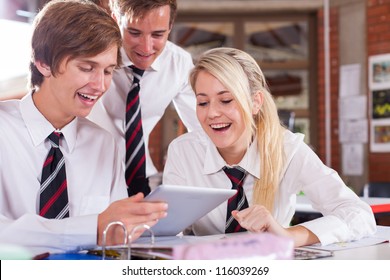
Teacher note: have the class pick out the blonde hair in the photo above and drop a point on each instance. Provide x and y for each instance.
(242, 76)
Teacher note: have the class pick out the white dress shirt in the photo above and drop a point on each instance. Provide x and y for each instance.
(165, 81)
(93, 172)
(193, 160)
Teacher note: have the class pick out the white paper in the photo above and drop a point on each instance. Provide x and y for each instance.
(353, 107)
(382, 235)
(353, 131)
(350, 80)
(352, 160)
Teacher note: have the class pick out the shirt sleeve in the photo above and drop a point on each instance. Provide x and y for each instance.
(185, 101)
(118, 187)
(345, 216)
(23, 227)
(40, 235)
(173, 173)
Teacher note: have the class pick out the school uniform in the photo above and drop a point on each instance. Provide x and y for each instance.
(193, 160)
(93, 172)
(165, 82)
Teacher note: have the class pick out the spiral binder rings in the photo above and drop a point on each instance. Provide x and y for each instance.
(125, 250)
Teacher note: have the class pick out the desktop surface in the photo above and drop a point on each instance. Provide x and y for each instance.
(375, 252)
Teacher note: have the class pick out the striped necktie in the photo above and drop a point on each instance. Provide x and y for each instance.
(53, 202)
(135, 147)
(238, 201)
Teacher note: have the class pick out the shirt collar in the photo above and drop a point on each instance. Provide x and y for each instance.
(214, 162)
(39, 128)
(156, 65)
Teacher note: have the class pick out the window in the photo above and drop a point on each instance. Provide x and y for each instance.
(282, 45)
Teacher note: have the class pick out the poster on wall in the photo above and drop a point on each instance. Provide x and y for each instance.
(379, 73)
(380, 136)
(381, 104)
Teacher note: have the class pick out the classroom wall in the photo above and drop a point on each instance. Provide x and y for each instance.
(358, 30)
(378, 42)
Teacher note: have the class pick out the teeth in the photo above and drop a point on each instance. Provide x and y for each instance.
(88, 96)
(219, 125)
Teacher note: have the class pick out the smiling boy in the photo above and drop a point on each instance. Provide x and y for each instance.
(145, 27)
(75, 48)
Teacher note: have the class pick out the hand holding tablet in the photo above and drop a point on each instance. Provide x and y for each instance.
(186, 204)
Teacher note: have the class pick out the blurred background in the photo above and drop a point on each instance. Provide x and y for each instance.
(318, 57)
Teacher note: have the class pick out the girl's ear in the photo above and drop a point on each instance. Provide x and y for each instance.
(257, 102)
(43, 68)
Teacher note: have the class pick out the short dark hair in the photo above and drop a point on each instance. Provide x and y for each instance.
(138, 8)
(70, 29)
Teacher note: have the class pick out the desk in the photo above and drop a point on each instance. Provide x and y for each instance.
(379, 205)
(376, 252)
(375, 247)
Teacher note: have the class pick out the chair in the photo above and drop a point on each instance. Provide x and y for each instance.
(376, 189)
(287, 118)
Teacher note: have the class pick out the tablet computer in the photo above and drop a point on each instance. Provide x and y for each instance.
(186, 204)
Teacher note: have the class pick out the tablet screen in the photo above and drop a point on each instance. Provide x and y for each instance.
(186, 204)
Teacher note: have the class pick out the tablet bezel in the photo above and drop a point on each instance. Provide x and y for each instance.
(184, 206)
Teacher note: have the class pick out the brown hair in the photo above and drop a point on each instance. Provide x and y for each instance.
(70, 29)
(138, 8)
(105, 4)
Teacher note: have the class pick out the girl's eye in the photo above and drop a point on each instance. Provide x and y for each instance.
(202, 104)
(227, 101)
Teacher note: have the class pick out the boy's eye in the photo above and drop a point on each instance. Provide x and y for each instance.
(157, 35)
(134, 33)
(86, 69)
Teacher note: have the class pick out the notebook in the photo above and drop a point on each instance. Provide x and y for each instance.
(186, 204)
